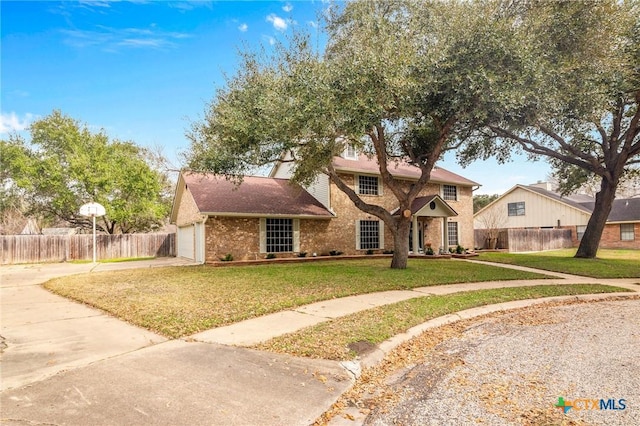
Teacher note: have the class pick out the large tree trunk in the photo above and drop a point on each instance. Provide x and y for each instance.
(400, 242)
(593, 233)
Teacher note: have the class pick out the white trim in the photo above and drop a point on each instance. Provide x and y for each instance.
(380, 233)
(262, 215)
(263, 235)
(296, 235)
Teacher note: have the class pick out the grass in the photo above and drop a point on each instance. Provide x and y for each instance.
(332, 340)
(179, 301)
(608, 263)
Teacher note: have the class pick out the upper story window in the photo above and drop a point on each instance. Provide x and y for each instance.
(516, 209)
(450, 192)
(350, 153)
(368, 185)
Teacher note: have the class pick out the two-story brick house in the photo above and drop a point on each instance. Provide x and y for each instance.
(272, 215)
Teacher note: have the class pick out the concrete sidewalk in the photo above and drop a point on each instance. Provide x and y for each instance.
(43, 333)
(67, 363)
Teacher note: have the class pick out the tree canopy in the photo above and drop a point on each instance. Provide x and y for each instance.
(65, 165)
(577, 101)
(398, 80)
(408, 80)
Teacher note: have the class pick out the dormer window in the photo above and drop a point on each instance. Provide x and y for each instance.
(350, 153)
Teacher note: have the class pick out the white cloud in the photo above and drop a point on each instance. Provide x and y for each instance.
(110, 39)
(12, 123)
(278, 23)
(243, 27)
(312, 24)
(287, 7)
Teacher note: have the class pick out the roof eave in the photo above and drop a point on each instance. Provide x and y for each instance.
(268, 215)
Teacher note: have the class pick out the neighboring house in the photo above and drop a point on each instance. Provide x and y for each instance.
(538, 207)
(272, 215)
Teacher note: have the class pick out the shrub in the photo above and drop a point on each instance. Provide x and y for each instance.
(429, 251)
(270, 256)
(370, 252)
(302, 254)
(227, 258)
(459, 249)
(335, 253)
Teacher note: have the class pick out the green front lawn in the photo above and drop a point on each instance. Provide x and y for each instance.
(179, 301)
(608, 264)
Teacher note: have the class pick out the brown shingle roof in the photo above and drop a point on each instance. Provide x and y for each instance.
(254, 196)
(365, 164)
(623, 210)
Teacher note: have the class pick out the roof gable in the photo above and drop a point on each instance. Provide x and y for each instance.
(541, 192)
(623, 210)
(430, 206)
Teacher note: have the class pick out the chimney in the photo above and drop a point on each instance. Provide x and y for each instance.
(543, 185)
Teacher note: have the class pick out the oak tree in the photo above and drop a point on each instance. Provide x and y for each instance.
(65, 165)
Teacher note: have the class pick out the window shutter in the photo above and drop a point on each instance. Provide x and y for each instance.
(379, 185)
(381, 231)
(263, 235)
(296, 235)
(357, 234)
(356, 183)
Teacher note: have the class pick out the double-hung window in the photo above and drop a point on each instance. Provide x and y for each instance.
(368, 185)
(369, 234)
(279, 235)
(450, 192)
(627, 233)
(516, 209)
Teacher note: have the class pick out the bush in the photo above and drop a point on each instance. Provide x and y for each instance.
(227, 258)
(335, 253)
(429, 251)
(370, 252)
(270, 256)
(302, 254)
(459, 249)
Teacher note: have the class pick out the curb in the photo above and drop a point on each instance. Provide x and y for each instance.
(384, 348)
(353, 415)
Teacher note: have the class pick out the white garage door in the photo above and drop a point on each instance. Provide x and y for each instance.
(186, 242)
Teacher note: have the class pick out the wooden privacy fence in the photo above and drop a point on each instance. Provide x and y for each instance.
(61, 248)
(522, 240)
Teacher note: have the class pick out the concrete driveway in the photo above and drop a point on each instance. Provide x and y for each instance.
(64, 362)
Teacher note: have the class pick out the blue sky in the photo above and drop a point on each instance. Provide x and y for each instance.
(144, 70)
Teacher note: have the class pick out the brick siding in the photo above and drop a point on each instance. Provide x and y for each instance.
(240, 237)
